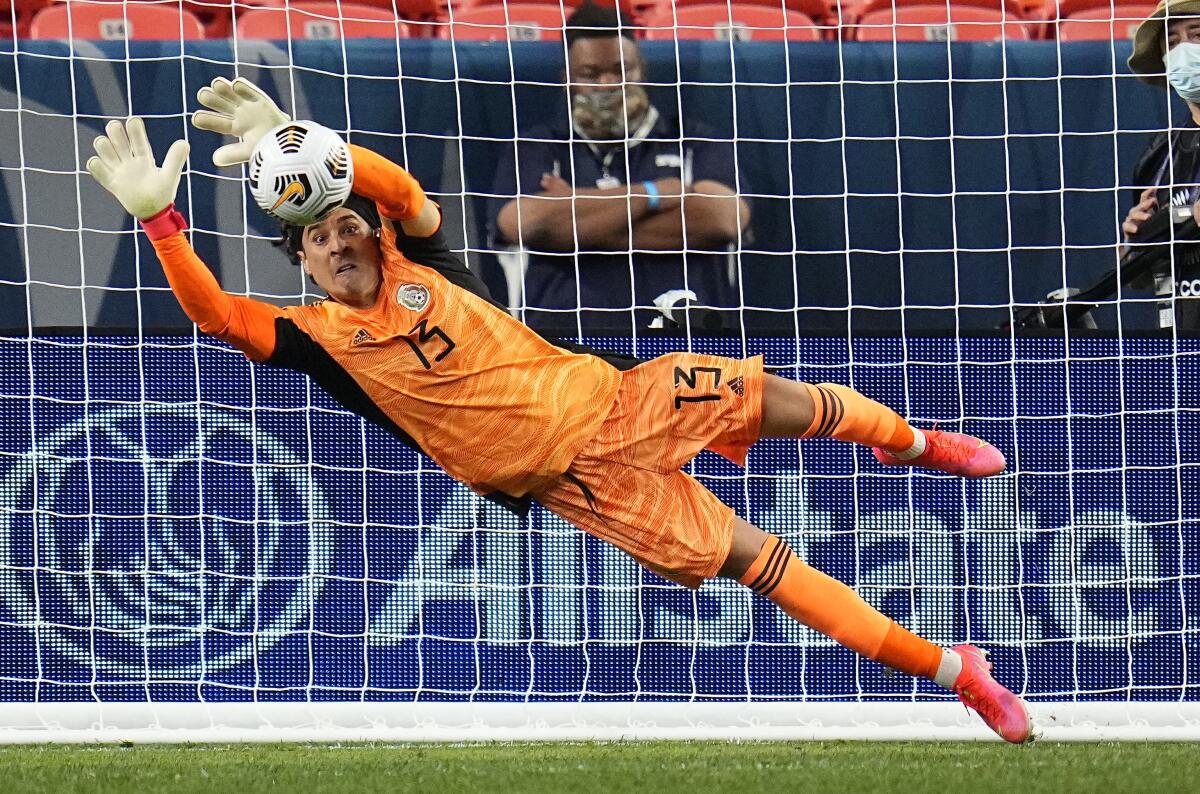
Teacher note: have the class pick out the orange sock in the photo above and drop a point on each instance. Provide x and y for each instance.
(832, 608)
(842, 413)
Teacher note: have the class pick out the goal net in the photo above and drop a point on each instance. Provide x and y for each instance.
(193, 547)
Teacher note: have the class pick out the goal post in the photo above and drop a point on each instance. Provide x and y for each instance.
(196, 548)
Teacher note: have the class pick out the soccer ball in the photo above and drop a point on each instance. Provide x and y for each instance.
(300, 172)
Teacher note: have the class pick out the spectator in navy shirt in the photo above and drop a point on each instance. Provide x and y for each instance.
(618, 205)
(1166, 52)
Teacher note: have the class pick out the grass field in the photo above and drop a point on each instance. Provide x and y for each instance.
(646, 768)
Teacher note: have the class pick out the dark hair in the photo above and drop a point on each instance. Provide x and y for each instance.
(292, 235)
(592, 21)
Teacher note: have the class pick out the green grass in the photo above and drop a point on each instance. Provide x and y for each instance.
(645, 768)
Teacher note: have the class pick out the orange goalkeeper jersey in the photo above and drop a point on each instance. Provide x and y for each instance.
(491, 401)
(495, 404)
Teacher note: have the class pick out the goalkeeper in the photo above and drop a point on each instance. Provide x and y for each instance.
(514, 416)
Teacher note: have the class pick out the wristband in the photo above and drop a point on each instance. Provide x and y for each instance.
(165, 223)
(651, 195)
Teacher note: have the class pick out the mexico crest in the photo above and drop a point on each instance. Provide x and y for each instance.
(413, 296)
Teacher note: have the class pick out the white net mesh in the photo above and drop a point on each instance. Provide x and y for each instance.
(183, 530)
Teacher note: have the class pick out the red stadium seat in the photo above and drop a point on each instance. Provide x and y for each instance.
(938, 23)
(1106, 24)
(418, 15)
(17, 14)
(217, 15)
(464, 5)
(820, 10)
(1065, 9)
(320, 20)
(214, 15)
(454, 10)
(1011, 8)
(116, 21)
(1053, 12)
(740, 22)
(516, 21)
(409, 9)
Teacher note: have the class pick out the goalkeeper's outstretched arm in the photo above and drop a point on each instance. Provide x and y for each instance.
(245, 323)
(124, 165)
(240, 109)
(396, 192)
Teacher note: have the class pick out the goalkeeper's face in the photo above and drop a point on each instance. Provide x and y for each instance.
(341, 254)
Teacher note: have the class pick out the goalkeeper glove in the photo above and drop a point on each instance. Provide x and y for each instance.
(236, 108)
(125, 167)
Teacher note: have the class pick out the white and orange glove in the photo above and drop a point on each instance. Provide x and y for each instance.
(124, 165)
(238, 108)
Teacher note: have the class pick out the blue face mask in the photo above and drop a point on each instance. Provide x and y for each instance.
(1183, 70)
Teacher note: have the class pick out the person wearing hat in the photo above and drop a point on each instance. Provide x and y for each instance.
(1166, 53)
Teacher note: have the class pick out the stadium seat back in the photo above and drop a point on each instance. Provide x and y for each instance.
(814, 9)
(1013, 9)
(1065, 9)
(17, 14)
(408, 9)
(322, 20)
(116, 21)
(214, 15)
(456, 8)
(938, 23)
(512, 21)
(739, 22)
(21, 8)
(217, 15)
(1105, 24)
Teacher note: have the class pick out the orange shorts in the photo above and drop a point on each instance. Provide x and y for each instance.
(626, 486)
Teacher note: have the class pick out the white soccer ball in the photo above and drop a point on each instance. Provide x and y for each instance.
(300, 172)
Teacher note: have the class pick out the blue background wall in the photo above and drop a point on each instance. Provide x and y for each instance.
(176, 524)
(996, 169)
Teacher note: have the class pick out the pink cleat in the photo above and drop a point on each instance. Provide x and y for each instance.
(1003, 711)
(953, 453)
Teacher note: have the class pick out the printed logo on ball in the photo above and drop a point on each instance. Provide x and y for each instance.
(295, 191)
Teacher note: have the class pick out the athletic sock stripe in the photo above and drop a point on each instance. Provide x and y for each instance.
(766, 591)
(840, 409)
(776, 573)
(839, 413)
(778, 559)
(833, 412)
(834, 417)
(826, 410)
(764, 574)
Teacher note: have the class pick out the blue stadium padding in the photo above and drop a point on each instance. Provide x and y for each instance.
(245, 539)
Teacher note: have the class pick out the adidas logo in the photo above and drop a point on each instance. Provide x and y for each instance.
(736, 387)
(361, 336)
